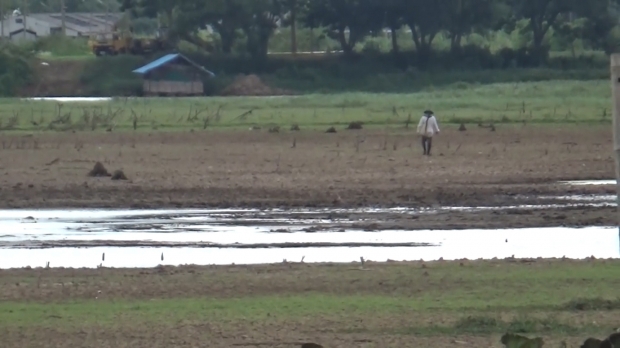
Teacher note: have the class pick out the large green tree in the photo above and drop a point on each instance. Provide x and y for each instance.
(261, 18)
(225, 17)
(426, 19)
(292, 11)
(466, 16)
(393, 14)
(347, 21)
(257, 19)
(600, 18)
(541, 16)
(350, 21)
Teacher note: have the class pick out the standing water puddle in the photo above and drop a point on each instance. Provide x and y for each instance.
(205, 237)
(470, 244)
(589, 182)
(70, 99)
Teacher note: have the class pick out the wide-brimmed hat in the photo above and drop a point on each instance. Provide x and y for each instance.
(428, 112)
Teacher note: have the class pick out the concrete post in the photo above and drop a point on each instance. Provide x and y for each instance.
(615, 95)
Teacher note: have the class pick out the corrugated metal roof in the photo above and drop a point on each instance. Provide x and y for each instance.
(81, 21)
(165, 60)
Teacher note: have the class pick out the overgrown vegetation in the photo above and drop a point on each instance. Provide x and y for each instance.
(15, 68)
(593, 304)
(58, 46)
(522, 324)
(471, 103)
(112, 76)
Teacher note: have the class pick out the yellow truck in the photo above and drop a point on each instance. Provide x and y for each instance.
(124, 43)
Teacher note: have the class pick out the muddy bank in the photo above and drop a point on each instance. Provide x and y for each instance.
(374, 220)
(497, 219)
(485, 208)
(129, 195)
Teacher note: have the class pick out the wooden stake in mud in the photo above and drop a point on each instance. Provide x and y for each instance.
(615, 92)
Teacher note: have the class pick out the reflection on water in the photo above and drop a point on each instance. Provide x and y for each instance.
(33, 238)
(104, 223)
(227, 235)
(589, 182)
(71, 99)
(599, 242)
(611, 199)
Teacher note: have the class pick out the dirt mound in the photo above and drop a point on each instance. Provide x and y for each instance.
(119, 175)
(98, 171)
(356, 125)
(311, 345)
(252, 85)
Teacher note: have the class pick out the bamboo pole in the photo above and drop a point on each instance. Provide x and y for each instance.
(615, 89)
(24, 11)
(2, 19)
(62, 17)
(293, 27)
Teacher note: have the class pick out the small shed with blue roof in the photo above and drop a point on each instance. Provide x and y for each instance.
(173, 75)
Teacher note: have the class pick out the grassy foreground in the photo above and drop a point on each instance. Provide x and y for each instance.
(534, 102)
(560, 300)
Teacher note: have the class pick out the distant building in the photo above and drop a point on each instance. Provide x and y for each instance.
(173, 75)
(23, 35)
(32, 26)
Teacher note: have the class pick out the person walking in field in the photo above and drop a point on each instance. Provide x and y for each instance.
(427, 128)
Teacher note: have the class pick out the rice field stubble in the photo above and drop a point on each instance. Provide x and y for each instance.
(414, 304)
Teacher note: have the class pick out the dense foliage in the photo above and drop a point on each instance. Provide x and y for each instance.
(385, 44)
(15, 68)
(351, 21)
(8, 6)
(412, 27)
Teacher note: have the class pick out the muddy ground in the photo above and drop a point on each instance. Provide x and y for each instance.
(356, 168)
(411, 304)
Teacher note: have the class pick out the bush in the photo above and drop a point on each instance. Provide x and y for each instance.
(373, 61)
(60, 46)
(612, 41)
(111, 76)
(592, 304)
(377, 72)
(15, 69)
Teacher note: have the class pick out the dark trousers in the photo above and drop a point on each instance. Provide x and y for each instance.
(427, 142)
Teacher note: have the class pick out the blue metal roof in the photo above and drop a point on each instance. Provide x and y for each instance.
(165, 60)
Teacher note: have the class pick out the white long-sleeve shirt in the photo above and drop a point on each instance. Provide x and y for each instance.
(428, 126)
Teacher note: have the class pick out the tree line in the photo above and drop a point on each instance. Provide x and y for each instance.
(45, 6)
(351, 21)
(411, 29)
